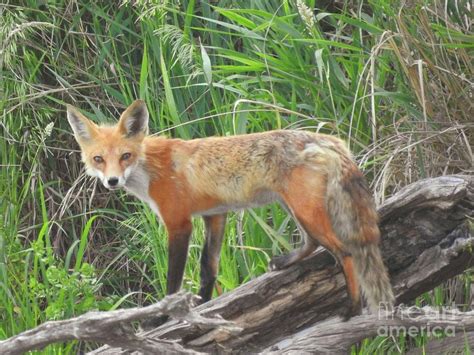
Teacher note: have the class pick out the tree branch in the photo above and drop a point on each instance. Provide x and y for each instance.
(427, 237)
(115, 328)
(333, 336)
(452, 345)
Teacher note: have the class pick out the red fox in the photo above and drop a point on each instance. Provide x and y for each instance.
(312, 175)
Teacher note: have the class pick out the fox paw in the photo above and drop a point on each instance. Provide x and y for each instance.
(350, 310)
(278, 262)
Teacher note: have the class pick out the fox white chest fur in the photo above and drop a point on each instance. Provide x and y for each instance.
(138, 184)
(312, 175)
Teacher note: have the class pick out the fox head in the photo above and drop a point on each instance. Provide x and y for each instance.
(111, 152)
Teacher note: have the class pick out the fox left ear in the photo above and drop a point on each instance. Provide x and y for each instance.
(134, 120)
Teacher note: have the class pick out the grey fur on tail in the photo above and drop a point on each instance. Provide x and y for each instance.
(354, 219)
(372, 276)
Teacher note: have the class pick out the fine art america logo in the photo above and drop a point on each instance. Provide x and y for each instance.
(414, 321)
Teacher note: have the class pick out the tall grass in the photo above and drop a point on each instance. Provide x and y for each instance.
(393, 79)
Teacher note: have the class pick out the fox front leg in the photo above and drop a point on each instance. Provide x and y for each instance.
(178, 243)
(215, 226)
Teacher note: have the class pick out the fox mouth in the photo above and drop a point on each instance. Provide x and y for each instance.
(117, 184)
(110, 187)
(113, 188)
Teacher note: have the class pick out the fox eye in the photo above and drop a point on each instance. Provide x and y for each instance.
(126, 156)
(98, 159)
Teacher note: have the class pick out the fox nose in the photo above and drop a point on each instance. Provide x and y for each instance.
(113, 181)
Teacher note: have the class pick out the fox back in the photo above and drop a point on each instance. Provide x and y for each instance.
(313, 176)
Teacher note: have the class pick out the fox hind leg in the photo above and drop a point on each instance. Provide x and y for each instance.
(320, 230)
(279, 262)
(305, 196)
(352, 287)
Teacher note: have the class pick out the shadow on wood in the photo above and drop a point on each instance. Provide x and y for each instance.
(426, 239)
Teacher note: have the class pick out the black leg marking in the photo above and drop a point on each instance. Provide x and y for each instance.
(215, 226)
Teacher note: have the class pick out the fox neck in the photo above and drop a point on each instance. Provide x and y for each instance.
(139, 176)
(156, 153)
(138, 181)
(138, 184)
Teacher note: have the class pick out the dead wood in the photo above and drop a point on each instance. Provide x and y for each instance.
(115, 328)
(427, 237)
(333, 336)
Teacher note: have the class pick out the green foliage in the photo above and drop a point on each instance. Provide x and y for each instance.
(391, 78)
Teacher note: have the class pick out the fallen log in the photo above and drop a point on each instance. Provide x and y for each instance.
(427, 238)
(260, 328)
(336, 337)
(115, 328)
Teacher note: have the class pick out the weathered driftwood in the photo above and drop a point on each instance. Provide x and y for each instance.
(115, 328)
(427, 239)
(334, 337)
(456, 344)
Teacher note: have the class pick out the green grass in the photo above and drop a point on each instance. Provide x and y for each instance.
(394, 81)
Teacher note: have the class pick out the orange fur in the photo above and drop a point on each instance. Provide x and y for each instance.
(312, 175)
(305, 195)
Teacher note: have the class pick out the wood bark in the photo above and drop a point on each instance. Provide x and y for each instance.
(115, 328)
(333, 336)
(427, 237)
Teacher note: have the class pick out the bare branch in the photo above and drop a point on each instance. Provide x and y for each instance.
(334, 336)
(427, 238)
(449, 345)
(115, 328)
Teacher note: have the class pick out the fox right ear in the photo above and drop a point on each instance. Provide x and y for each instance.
(83, 128)
(134, 120)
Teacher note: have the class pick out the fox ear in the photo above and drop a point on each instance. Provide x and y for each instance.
(134, 119)
(83, 128)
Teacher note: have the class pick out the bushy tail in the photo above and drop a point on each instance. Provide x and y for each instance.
(354, 219)
(372, 276)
